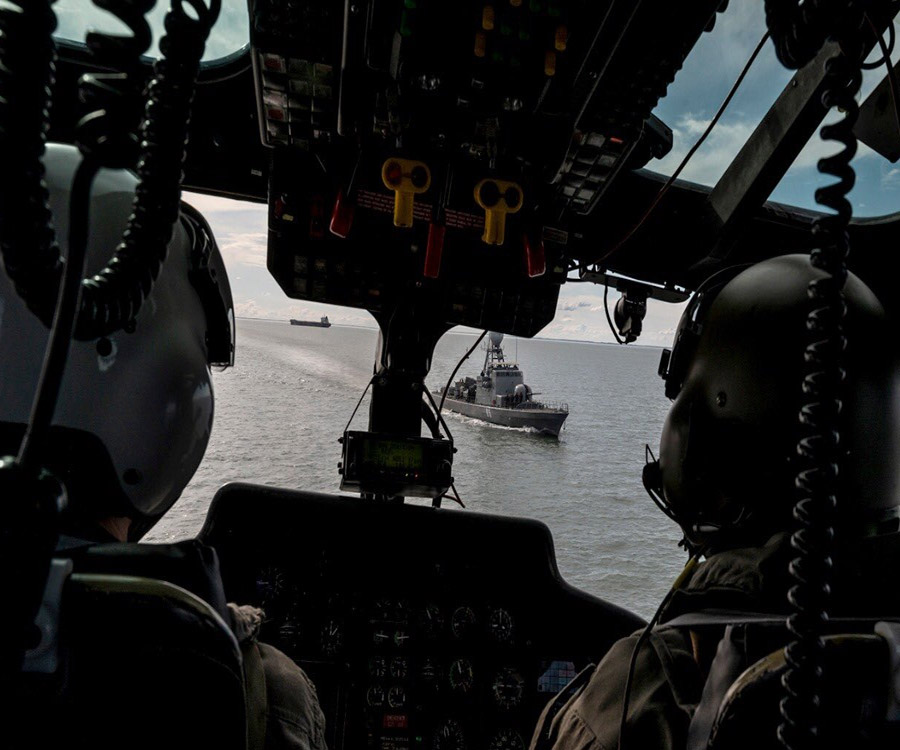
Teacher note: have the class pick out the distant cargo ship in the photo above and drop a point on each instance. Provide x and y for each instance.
(323, 323)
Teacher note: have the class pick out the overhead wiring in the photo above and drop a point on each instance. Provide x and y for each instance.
(608, 316)
(886, 51)
(693, 150)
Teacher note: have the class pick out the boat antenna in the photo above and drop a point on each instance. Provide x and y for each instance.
(456, 370)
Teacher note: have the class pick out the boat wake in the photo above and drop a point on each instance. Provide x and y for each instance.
(482, 423)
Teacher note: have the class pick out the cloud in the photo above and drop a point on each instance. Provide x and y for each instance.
(247, 249)
(890, 180)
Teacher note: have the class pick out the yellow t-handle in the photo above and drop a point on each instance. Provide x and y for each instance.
(498, 198)
(406, 178)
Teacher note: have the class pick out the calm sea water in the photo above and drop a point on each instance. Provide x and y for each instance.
(281, 409)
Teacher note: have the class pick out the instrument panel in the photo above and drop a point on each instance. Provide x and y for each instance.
(421, 627)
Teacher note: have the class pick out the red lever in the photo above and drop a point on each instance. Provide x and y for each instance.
(434, 249)
(341, 216)
(535, 258)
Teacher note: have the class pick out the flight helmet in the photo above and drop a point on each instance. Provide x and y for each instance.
(728, 451)
(135, 408)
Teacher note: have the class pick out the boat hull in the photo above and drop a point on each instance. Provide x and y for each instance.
(545, 421)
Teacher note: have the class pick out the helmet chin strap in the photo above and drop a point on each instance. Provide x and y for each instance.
(651, 477)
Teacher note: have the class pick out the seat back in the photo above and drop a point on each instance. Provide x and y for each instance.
(856, 695)
(142, 664)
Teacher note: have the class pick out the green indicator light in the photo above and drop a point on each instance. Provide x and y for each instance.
(534, 6)
(515, 62)
(506, 29)
(554, 11)
(410, 4)
(405, 28)
(524, 35)
(497, 57)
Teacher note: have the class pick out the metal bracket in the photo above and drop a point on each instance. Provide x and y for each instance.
(44, 658)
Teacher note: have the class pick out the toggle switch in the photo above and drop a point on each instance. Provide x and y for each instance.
(498, 198)
(407, 178)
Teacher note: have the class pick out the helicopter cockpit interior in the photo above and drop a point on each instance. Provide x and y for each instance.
(437, 164)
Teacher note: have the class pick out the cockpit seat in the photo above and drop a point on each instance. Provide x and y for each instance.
(859, 698)
(136, 663)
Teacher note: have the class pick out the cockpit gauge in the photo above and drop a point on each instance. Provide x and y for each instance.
(401, 637)
(396, 696)
(270, 585)
(430, 674)
(399, 668)
(382, 636)
(289, 633)
(384, 610)
(332, 637)
(462, 676)
(375, 696)
(508, 688)
(462, 622)
(507, 739)
(378, 667)
(432, 621)
(500, 625)
(449, 736)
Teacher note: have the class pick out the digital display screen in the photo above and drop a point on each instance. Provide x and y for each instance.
(394, 454)
(556, 675)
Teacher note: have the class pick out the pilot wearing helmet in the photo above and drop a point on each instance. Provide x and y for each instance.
(132, 423)
(725, 474)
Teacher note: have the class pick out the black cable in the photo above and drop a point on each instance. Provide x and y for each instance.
(60, 338)
(608, 317)
(362, 396)
(886, 49)
(799, 33)
(438, 413)
(27, 75)
(693, 150)
(642, 638)
(112, 298)
(892, 74)
(456, 369)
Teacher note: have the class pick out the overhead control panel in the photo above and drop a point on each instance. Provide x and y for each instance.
(435, 152)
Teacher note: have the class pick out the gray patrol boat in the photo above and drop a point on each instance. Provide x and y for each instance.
(499, 395)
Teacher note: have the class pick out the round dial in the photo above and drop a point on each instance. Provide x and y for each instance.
(432, 621)
(332, 637)
(462, 622)
(270, 585)
(396, 697)
(500, 625)
(462, 676)
(449, 736)
(401, 637)
(382, 636)
(508, 688)
(430, 674)
(375, 696)
(289, 634)
(399, 668)
(377, 667)
(507, 739)
(384, 610)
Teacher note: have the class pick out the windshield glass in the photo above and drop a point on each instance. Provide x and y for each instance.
(230, 34)
(700, 87)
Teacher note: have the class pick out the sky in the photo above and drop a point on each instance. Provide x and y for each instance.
(692, 100)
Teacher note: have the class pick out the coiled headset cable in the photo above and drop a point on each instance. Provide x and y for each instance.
(799, 31)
